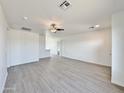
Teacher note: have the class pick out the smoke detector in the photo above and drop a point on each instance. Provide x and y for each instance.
(65, 5)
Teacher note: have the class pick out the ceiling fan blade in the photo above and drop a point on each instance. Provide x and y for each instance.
(60, 29)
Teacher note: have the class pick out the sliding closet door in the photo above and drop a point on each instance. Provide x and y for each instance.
(23, 47)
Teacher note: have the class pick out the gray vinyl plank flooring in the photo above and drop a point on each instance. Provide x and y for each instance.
(60, 75)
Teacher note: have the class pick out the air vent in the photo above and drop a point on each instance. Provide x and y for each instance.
(65, 5)
(92, 27)
(25, 28)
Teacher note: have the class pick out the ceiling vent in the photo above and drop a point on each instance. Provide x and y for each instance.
(65, 5)
(26, 29)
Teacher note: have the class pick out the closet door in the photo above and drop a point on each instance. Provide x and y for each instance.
(23, 47)
(14, 48)
(29, 47)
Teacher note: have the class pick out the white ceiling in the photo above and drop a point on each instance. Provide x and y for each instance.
(81, 15)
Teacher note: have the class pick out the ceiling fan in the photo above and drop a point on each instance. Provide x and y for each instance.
(53, 28)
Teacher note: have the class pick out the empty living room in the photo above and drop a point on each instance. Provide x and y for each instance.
(61, 46)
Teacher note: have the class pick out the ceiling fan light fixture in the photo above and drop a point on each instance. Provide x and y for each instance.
(53, 30)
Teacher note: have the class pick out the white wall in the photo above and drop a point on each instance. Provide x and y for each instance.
(44, 53)
(3, 64)
(118, 48)
(23, 47)
(94, 47)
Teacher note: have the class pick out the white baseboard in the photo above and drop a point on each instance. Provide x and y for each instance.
(117, 83)
(4, 81)
(90, 62)
(24, 62)
(44, 58)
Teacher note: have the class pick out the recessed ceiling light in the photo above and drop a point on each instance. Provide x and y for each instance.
(97, 26)
(25, 18)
